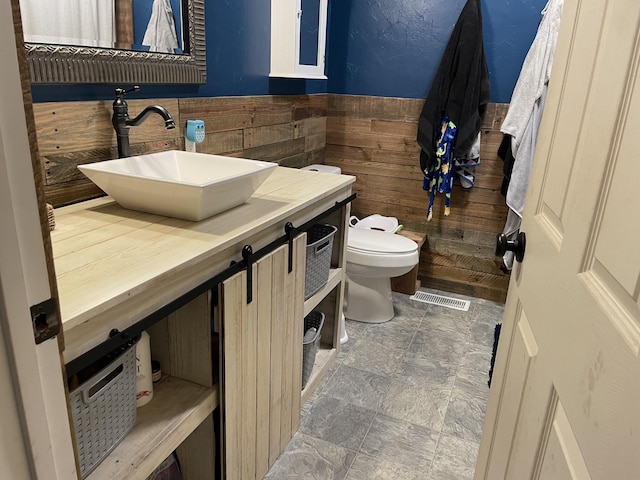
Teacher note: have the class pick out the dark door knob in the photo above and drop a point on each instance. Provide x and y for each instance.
(516, 246)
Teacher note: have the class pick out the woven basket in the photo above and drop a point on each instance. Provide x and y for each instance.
(319, 246)
(310, 348)
(103, 410)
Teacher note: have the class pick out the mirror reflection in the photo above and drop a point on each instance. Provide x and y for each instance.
(309, 25)
(143, 25)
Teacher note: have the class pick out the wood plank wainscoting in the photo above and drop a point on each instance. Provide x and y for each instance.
(374, 138)
(282, 129)
(370, 137)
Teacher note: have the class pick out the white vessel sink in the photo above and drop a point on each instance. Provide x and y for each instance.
(186, 185)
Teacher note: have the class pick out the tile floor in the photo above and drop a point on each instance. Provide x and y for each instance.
(405, 400)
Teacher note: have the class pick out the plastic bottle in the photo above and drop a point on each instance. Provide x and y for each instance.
(144, 383)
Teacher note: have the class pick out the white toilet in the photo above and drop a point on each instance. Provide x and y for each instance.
(373, 257)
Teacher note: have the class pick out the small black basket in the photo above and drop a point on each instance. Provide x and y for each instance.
(310, 347)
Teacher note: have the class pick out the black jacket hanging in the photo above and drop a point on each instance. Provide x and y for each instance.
(460, 88)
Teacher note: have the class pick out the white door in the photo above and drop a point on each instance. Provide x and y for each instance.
(35, 436)
(565, 398)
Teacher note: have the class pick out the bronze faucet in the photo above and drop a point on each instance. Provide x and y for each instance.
(122, 122)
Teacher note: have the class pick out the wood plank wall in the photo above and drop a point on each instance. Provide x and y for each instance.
(374, 138)
(370, 137)
(287, 130)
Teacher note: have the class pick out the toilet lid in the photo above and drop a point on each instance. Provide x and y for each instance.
(379, 242)
(375, 222)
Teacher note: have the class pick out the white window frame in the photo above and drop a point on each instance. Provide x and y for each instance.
(317, 70)
(285, 41)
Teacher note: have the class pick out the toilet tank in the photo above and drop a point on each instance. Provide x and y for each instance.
(316, 167)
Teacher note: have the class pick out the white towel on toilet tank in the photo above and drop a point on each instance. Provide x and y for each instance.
(161, 30)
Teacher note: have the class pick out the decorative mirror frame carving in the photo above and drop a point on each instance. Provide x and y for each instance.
(69, 64)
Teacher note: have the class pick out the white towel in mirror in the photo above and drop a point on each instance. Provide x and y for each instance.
(161, 30)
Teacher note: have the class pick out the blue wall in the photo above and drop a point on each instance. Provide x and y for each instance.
(375, 47)
(238, 52)
(393, 49)
(509, 27)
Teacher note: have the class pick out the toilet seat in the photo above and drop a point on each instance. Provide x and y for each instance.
(380, 243)
(380, 249)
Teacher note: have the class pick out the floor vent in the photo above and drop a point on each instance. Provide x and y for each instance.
(442, 301)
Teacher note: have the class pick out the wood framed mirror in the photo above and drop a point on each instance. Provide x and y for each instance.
(59, 64)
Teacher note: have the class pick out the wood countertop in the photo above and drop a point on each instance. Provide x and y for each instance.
(116, 266)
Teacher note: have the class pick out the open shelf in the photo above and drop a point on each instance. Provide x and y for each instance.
(324, 356)
(177, 408)
(326, 353)
(335, 276)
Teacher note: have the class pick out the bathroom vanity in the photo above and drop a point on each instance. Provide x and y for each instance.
(124, 270)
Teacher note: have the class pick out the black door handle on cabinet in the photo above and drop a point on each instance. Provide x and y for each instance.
(516, 246)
